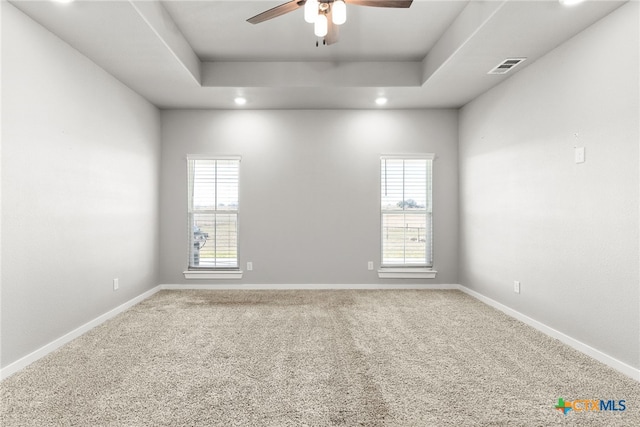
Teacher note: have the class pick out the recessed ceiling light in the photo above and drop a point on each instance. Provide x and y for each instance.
(63, 1)
(381, 100)
(570, 2)
(240, 100)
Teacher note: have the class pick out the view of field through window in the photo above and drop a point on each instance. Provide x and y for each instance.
(406, 211)
(213, 213)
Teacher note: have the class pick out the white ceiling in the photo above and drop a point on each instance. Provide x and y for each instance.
(217, 31)
(202, 54)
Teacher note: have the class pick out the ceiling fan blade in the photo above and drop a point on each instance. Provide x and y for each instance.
(333, 31)
(381, 3)
(274, 12)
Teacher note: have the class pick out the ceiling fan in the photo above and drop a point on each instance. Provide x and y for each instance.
(326, 15)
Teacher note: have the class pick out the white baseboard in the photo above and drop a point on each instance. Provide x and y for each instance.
(25, 361)
(622, 367)
(227, 286)
(19, 364)
(616, 364)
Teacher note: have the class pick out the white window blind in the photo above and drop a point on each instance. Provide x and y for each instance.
(213, 212)
(406, 211)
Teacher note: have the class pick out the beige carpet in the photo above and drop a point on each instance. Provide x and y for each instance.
(313, 358)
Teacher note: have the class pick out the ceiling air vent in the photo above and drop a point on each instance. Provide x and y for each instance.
(507, 65)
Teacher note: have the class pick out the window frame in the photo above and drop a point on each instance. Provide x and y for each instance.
(211, 272)
(409, 270)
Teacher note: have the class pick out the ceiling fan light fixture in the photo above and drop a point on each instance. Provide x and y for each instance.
(310, 11)
(318, 12)
(339, 12)
(321, 27)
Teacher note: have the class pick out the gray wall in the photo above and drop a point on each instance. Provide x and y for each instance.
(81, 186)
(309, 193)
(567, 231)
(80, 173)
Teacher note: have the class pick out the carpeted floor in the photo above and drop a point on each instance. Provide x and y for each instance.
(313, 358)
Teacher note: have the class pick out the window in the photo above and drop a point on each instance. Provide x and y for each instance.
(406, 210)
(213, 212)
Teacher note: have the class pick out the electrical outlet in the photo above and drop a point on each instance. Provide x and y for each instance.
(370, 265)
(116, 284)
(249, 266)
(516, 287)
(579, 154)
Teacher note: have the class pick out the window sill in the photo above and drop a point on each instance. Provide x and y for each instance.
(407, 273)
(213, 274)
